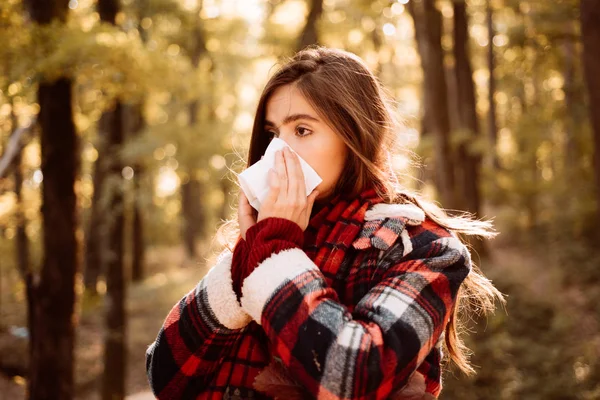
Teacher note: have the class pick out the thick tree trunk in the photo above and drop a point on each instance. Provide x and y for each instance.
(492, 124)
(428, 29)
(590, 32)
(468, 164)
(51, 295)
(54, 296)
(310, 34)
(114, 377)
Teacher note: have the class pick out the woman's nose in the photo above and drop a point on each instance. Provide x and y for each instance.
(287, 141)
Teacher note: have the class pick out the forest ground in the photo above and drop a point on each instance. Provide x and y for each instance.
(532, 279)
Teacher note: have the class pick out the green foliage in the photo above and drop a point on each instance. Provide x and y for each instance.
(174, 59)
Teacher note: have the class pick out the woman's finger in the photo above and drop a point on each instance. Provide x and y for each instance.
(245, 214)
(301, 186)
(274, 189)
(281, 173)
(292, 174)
(243, 204)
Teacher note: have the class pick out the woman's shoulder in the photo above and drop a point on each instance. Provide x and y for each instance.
(405, 224)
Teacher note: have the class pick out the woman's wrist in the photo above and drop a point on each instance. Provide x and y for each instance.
(270, 236)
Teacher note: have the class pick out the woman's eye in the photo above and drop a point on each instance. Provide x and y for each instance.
(271, 134)
(302, 131)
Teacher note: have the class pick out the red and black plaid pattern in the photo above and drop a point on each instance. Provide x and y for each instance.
(354, 318)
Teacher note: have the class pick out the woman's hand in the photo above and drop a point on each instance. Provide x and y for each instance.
(287, 195)
(246, 214)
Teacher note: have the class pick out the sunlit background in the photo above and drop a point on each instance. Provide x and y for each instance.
(189, 74)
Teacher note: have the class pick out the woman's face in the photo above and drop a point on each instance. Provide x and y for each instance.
(291, 118)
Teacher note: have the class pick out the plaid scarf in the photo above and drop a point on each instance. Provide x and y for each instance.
(333, 229)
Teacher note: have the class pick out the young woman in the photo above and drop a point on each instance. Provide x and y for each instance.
(349, 292)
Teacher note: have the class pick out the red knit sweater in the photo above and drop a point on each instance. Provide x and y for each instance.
(268, 236)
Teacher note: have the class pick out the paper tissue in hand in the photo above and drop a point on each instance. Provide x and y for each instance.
(254, 180)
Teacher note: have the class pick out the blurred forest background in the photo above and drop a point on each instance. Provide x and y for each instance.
(122, 121)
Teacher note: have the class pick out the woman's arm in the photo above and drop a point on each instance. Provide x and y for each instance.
(197, 333)
(373, 351)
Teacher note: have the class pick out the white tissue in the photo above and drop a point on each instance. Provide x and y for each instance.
(254, 180)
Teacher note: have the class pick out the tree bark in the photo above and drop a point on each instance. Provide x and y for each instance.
(468, 163)
(138, 245)
(193, 220)
(53, 314)
(139, 122)
(51, 295)
(428, 30)
(191, 191)
(310, 35)
(114, 377)
(113, 383)
(590, 32)
(93, 248)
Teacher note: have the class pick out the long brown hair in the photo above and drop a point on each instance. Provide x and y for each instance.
(347, 95)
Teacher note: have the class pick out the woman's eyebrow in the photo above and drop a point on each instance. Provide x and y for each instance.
(293, 118)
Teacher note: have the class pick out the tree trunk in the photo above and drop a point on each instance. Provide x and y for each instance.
(114, 377)
(492, 124)
(468, 163)
(191, 191)
(113, 384)
(428, 30)
(139, 246)
(139, 122)
(136, 125)
(51, 295)
(93, 249)
(590, 32)
(310, 34)
(53, 333)
(225, 209)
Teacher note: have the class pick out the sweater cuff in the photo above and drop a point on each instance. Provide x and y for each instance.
(270, 236)
(275, 228)
(238, 266)
(221, 297)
